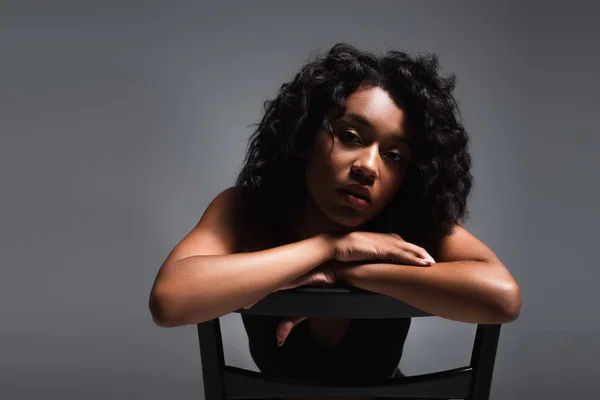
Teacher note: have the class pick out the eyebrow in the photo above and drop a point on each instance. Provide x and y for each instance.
(364, 121)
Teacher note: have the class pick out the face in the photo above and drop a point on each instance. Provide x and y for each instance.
(354, 176)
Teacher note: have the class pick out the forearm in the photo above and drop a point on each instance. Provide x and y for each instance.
(201, 288)
(467, 291)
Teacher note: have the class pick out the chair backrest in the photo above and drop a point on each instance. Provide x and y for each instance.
(221, 381)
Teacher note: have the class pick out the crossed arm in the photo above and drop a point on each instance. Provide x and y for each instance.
(468, 282)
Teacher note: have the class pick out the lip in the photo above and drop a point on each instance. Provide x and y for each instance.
(353, 201)
(359, 191)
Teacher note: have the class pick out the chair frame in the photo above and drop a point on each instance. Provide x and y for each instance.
(225, 382)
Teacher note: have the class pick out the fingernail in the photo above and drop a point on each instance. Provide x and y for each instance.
(279, 342)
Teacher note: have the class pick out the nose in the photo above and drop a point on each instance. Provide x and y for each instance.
(365, 166)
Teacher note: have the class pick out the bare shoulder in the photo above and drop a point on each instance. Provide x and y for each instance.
(220, 230)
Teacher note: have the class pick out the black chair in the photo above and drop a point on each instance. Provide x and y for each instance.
(223, 382)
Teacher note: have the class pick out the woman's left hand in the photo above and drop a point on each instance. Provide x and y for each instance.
(325, 276)
(321, 275)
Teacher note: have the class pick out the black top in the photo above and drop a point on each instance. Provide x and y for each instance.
(370, 350)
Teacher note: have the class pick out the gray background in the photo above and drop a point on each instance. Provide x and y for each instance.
(120, 121)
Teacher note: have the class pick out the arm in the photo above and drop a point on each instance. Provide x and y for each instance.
(467, 283)
(204, 276)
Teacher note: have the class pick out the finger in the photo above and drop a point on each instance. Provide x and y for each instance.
(285, 327)
(397, 236)
(313, 278)
(300, 281)
(305, 280)
(326, 277)
(319, 277)
(290, 285)
(250, 306)
(417, 251)
(408, 258)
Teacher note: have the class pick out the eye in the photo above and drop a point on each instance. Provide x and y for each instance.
(395, 156)
(348, 136)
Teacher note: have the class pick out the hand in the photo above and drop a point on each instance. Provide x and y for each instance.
(363, 246)
(322, 275)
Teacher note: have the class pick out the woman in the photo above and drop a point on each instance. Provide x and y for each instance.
(358, 174)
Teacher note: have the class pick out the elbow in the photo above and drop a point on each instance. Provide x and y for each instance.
(509, 303)
(160, 312)
(170, 310)
(162, 309)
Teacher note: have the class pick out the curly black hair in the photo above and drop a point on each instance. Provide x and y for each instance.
(433, 196)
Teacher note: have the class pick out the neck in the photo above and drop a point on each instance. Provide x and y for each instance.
(310, 221)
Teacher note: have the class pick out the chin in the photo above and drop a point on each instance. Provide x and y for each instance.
(345, 217)
(348, 222)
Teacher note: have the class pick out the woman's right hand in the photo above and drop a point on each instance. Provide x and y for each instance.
(372, 246)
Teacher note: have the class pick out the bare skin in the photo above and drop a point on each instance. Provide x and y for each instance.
(326, 332)
(228, 262)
